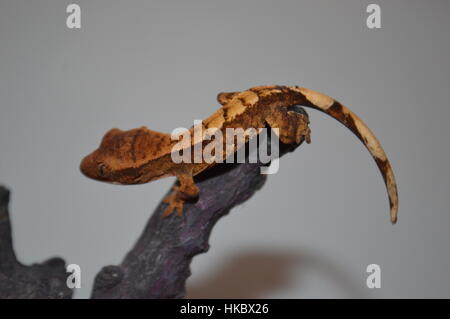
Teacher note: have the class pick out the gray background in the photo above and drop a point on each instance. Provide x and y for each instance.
(316, 225)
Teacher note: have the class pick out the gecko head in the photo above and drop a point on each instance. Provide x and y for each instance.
(99, 164)
(122, 157)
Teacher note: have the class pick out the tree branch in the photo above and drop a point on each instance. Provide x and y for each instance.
(158, 265)
(46, 280)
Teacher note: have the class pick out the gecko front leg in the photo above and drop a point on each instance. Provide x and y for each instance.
(184, 190)
(292, 124)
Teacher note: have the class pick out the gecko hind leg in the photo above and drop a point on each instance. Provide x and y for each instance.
(292, 124)
(185, 190)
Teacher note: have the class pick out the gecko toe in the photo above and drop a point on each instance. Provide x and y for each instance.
(168, 211)
(174, 202)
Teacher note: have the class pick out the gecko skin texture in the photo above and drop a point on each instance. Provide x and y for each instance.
(141, 155)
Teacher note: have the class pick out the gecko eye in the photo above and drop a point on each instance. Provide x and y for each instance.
(103, 170)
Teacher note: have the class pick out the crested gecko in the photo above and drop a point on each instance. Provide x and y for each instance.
(141, 155)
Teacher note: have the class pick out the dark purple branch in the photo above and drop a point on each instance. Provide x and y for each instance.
(46, 280)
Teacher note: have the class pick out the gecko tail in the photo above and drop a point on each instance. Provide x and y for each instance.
(344, 115)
